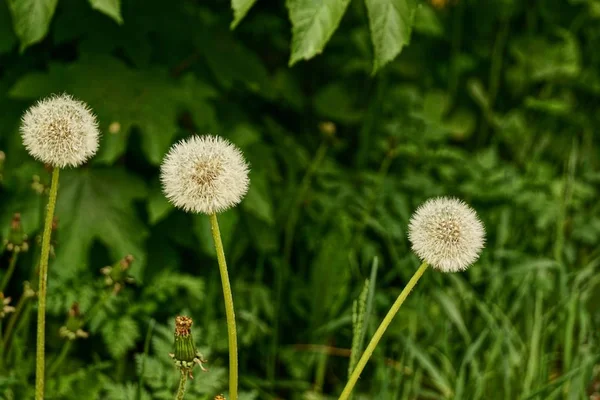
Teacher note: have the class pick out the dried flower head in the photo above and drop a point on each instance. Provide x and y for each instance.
(186, 356)
(204, 174)
(447, 234)
(60, 131)
(5, 308)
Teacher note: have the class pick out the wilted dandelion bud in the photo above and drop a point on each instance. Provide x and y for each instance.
(60, 131)
(185, 356)
(73, 328)
(204, 174)
(5, 308)
(17, 239)
(447, 234)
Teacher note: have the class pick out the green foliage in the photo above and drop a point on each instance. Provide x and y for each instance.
(391, 24)
(31, 19)
(313, 24)
(494, 102)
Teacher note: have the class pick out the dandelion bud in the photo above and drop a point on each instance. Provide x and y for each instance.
(204, 174)
(60, 131)
(185, 355)
(5, 308)
(17, 239)
(447, 234)
(73, 327)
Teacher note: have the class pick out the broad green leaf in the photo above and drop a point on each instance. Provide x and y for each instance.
(147, 99)
(313, 23)
(158, 206)
(232, 63)
(258, 201)
(96, 204)
(7, 36)
(391, 25)
(112, 8)
(31, 19)
(240, 9)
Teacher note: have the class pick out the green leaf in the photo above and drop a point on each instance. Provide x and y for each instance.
(7, 36)
(240, 9)
(120, 335)
(31, 19)
(96, 204)
(313, 23)
(148, 99)
(158, 205)
(258, 201)
(391, 25)
(112, 8)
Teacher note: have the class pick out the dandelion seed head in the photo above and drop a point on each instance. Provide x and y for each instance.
(204, 174)
(447, 234)
(61, 131)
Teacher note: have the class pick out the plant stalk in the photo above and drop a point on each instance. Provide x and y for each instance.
(380, 331)
(61, 357)
(229, 311)
(41, 320)
(9, 271)
(181, 390)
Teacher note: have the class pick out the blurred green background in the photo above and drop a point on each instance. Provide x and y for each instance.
(495, 102)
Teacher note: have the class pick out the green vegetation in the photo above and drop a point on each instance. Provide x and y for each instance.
(351, 114)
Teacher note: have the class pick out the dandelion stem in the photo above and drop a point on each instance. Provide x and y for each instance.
(181, 390)
(61, 357)
(380, 331)
(13, 321)
(229, 311)
(41, 320)
(9, 271)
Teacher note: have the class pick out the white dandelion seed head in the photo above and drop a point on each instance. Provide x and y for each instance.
(204, 174)
(60, 131)
(447, 234)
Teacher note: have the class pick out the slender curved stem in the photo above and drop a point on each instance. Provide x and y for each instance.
(380, 331)
(229, 311)
(13, 321)
(61, 357)
(9, 271)
(182, 381)
(41, 320)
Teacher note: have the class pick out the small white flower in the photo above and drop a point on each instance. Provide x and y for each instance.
(204, 174)
(60, 131)
(447, 234)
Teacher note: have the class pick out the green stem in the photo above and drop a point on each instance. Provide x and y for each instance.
(41, 320)
(229, 312)
(61, 357)
(380, 331)
(181, 390)
(9, 271)
(13, 321)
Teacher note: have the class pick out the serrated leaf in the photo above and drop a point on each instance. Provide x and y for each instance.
(240, 9)
(148, 99)
(96, 204)
(313, 23)
(120, 335)
(391, 24)
(31, 19)
(112, 8)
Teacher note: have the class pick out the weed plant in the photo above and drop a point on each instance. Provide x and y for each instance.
(351, 115)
